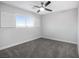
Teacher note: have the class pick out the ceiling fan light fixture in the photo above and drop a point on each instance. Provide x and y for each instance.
(42, 9)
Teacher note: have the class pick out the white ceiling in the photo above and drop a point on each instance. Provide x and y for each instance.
(55, 5)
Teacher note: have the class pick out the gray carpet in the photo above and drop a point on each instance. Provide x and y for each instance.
(41, 48)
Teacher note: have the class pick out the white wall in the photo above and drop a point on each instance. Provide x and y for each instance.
(57, 26)
(0, 16)
(10, 36)
(61, 26)
(78, 31)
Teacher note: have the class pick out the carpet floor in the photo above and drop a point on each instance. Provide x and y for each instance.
(41, 48)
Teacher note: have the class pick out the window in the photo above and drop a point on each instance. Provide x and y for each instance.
(29, 22)
(20, 21)
(24, 21)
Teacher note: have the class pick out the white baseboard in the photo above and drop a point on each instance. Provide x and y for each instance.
(48, 37)
(17, 43)
(20, 42)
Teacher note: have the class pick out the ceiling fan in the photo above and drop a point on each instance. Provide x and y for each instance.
(43, 7)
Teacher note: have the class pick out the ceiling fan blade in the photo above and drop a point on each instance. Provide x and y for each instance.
(48, 2)
(48, 9)
(42, 3)
(38, 11)
(37, 6)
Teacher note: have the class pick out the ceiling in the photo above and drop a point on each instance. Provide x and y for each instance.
(55, 5)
